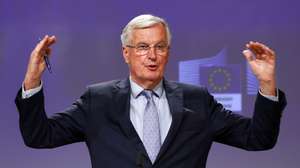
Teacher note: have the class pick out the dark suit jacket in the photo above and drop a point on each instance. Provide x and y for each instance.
(101, 118)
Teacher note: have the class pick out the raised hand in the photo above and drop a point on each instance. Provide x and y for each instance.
(37, 65)
(262, 61)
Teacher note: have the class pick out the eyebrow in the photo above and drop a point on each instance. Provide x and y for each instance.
(144, 43)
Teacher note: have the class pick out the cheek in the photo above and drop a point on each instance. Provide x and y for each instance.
(163, 62)
(137, 64)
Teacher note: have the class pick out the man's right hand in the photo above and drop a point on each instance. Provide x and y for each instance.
(37, 65)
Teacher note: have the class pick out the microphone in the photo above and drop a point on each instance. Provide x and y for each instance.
(140, 160)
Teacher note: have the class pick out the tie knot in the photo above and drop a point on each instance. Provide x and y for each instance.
(147, 93)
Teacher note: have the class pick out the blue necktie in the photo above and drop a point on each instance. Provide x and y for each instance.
(151, 132)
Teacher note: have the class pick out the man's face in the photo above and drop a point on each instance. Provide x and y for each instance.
(147, 65)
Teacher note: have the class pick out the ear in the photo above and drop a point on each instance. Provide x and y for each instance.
(125, 54)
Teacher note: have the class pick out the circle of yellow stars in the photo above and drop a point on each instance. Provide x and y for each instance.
(219, 87)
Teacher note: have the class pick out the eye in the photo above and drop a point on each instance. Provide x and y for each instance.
(142, 47)
(161, 46)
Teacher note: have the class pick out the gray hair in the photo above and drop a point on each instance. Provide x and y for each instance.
(140, 22)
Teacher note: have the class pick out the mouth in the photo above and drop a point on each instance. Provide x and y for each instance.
(152, 67)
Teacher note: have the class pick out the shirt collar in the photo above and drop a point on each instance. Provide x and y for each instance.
(136, 89)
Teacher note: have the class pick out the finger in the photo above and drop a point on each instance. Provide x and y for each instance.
(268, 53)
(51, 40)
(248, 55)
(254, 53)
(44, 44)
(41, 44)
(255, 47)
(267, 49)
(263, 48)
(264, 56)
(48, 52)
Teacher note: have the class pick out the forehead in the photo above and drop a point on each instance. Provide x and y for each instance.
(153, 34)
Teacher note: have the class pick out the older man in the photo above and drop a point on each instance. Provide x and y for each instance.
(146, 120)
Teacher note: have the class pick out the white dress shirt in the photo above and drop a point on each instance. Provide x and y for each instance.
(138, 104)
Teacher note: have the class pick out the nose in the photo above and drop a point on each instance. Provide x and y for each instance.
(152, 53)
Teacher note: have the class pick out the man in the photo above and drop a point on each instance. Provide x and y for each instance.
(146, 120)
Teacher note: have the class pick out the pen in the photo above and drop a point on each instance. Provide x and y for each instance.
(47, 61)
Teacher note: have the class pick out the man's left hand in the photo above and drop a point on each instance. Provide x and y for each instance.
(262, 61)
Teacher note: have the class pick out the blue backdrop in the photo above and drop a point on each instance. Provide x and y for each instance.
(88, 50)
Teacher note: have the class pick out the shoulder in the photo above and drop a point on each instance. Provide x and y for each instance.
(103, 85)
(106, 87)
(186, 87)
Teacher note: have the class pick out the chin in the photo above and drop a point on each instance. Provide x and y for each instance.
(153, 77)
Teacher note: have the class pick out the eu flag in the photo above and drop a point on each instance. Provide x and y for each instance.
(221, 79)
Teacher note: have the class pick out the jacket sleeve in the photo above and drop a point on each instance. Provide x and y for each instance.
(257, 133)
(40, 131)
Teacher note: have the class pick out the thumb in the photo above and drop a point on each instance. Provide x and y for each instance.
(248, 55)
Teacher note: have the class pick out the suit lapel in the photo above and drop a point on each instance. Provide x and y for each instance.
(122, 109)
(175, 99)
(121, 98)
